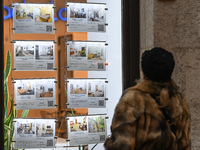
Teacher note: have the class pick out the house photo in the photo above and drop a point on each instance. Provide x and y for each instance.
(96, 124)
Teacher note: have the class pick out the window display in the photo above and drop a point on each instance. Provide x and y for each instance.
(89, 56)
(33, 18)
(34, 55)
(34, 133)
(39, 56)
(86, 129)
(86, 93)
(34, 93)
(86, 17)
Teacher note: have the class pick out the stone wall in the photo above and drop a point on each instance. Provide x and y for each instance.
(175, 26)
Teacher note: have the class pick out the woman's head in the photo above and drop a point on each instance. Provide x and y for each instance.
(157, 64)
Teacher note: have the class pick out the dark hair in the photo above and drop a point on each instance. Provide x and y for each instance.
(157, 64)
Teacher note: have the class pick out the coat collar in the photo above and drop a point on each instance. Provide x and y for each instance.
(155, 88)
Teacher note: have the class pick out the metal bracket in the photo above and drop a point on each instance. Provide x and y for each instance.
(66, 39)
(54, 7)
(106, 81)
(67, 104)
(67, 43)
(55, 81)
(14, 104)
(66, 5)
(67, 118)
(106, 99)
(106, 117)
(55, 42)
(12, 28)
(67, 66)
(13, 141)
(67, 140)
(56, 121)
(55, 104)
(13, 81)
(106, 44)
(55, 137)
(106, 8)
(66, 24)
(13, 68)
(54, 28)
(13, 42)
(14, 121)
(106, 24)
(11, 5)
(54, 68)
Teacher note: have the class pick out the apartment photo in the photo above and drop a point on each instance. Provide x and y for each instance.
(78, 87)
(96, 89)
(44, 129)
(24, 51)
(78, 124)
(25, 128)
(96, 14)
(96, 52)
(24, 12)
(25, 87)
(77, 11)
(44, 52)
(43, 14)
(44, 89)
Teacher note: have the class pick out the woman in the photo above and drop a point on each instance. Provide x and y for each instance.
(153, 115)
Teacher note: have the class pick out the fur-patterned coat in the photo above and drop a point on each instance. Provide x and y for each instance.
(139, 124)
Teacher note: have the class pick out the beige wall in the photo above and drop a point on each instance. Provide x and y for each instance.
(175, 26)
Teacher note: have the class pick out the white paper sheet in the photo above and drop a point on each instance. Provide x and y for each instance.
(83, 17)
(34, 133)
(33, 18)
(34, 55)
(88, 56)
(84, 130)
(34, 94)
(86, 93)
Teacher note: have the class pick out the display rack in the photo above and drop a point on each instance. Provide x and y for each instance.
(30, 57)
(86, 56)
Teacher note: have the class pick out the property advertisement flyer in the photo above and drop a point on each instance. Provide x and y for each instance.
(87, 56)
(86, 17)
(86, 129)
(34, 133)
(34, 93)
(86, 93)
(34, 55)
(33, 18)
